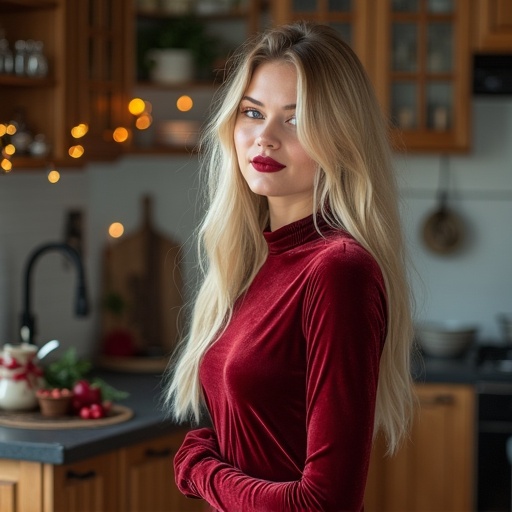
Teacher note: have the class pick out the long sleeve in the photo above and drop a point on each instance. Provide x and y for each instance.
(342, 318)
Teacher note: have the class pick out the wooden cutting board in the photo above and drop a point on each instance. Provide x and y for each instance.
(142, 293)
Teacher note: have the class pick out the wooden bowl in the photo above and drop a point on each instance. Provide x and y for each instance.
(53, 406)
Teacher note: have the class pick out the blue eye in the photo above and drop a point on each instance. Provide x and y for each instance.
(252, 113)
(293, 121)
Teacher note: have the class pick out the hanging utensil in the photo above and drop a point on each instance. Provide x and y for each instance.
(443, 230)
(48, 347)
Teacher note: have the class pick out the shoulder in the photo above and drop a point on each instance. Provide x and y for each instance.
(344, 282)
(340, 254)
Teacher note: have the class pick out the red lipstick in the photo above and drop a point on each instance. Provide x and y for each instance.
(266, 164)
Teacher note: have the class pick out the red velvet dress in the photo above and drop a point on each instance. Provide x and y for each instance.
(291, 383)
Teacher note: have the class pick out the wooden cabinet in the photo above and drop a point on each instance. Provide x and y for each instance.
(423, 72)
(99, 70)
(148, 478)
(434, 469)
(39, 100)
(417, 53)
(493, 26)
(21, 486)
(137, 478)
(89, 486)
(85, 44)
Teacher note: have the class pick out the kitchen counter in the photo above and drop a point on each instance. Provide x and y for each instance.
(61, 446)
(71, 445)
(462, 370)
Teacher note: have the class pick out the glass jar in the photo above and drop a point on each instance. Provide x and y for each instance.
(6, 58)
(20, 57)
(36, 64)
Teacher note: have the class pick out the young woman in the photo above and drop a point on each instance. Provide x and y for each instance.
(301, 332)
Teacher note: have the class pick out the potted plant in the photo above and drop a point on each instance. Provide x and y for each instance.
(177, 50)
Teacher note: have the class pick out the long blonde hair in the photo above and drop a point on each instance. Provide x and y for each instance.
(343, 130)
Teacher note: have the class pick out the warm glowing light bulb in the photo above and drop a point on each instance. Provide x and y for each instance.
(76, 151)
(6, 165)
(79, 130)
(136, 106)
(184, 103)
(120, 134)
(9, 149)
(143, 122)
(53, 176)
(116, 229)
(10, 129)
(3, 130)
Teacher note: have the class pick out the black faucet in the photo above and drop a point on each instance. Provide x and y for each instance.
(81, 305)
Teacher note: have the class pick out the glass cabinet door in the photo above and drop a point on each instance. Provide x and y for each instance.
(422, 49)
(348, 17)
(417, 52)
(104, 76)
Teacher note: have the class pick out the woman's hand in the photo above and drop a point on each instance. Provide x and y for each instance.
(197, 445)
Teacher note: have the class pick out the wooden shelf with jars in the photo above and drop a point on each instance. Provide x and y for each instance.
(29, 95)
(85, 81)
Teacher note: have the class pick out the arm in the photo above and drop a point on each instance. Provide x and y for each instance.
(344, 327)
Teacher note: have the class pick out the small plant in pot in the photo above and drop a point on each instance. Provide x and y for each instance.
(177, 50)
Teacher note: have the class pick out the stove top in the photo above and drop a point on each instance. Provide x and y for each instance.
(494, 358)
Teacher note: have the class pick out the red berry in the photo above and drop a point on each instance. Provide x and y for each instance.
(85, 413)
(86, 393)
(97, 411)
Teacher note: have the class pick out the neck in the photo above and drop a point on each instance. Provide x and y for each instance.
(282, 213)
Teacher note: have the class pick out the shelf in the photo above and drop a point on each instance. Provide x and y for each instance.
(24, 81)
(20, 163)
(161, 150)
(22, 5)
(27, 162)
(202, 84)
(234, 14)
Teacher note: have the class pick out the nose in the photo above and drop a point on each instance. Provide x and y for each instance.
(268, 138)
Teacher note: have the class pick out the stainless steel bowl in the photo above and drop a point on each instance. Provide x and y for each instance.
(446, 339)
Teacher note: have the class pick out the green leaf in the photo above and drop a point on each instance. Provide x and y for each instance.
(108, 392)
(64, 372)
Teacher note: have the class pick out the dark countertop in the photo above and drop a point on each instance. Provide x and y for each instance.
(71, 445)
(461, 370)
(61, 446)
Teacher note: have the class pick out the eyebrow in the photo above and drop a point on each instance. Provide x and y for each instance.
(291, 106)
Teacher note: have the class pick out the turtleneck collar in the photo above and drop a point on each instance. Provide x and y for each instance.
(295, 234)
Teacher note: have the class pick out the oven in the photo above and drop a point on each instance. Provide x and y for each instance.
(494, 449)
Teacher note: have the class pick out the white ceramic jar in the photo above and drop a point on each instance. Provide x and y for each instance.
(171, 66)
(20, 377)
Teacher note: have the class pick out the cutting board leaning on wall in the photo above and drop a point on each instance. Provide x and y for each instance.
(142, 298)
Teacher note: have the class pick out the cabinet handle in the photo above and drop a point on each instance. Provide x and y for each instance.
(437, 400)
(157, 454)
(86, 475)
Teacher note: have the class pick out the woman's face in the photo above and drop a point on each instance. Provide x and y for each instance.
(270, 157)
